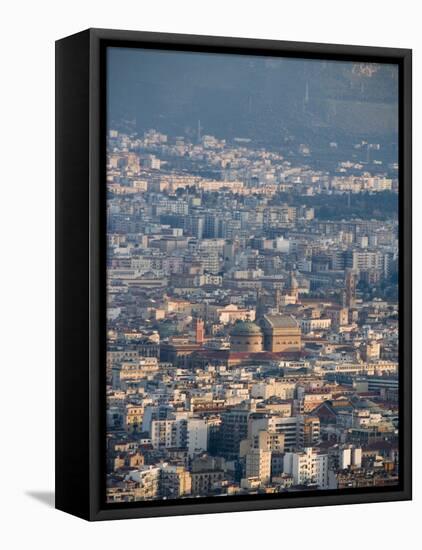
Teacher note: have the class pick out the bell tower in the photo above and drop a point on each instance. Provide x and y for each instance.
(292, 286)
(199, 331)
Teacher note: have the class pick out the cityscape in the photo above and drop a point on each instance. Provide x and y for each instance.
(252, 283)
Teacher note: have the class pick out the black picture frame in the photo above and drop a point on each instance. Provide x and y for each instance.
(80, 272)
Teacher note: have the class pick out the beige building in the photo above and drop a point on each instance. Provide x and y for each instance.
(147, 480)
(339, 315)
(268, 441)
(131, 372)
(281, 333)
(203, 482)
(133, 418)
(258, 465)
(175, 481)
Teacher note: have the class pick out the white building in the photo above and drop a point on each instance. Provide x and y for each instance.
(270, 388)
(196, 435)
(190, 433)
(309, 325)
(148, 480)
(342, 457)
(307, 467)
(163, 434)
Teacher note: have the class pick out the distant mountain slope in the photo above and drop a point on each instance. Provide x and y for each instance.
(253, 97)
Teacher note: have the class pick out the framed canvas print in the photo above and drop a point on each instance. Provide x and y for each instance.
(233, 274)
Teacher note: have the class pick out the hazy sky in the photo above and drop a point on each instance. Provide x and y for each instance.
(251, 96)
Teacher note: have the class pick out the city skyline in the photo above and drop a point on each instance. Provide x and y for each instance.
(252, 275)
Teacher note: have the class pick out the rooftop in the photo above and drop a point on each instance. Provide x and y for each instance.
(245, 328)
(280, 321)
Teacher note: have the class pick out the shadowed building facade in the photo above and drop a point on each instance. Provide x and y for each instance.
(247, 337)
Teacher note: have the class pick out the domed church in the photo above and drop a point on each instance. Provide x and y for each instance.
(277, 334)
(246, 336)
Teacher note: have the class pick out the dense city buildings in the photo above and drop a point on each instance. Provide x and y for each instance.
(252, 311)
